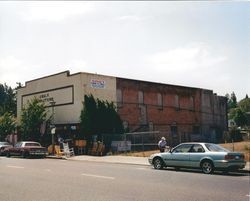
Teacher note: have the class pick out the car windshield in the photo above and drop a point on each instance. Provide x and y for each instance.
(32, 144)
(216, 148)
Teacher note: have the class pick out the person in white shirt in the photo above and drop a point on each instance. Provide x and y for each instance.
(162, 144)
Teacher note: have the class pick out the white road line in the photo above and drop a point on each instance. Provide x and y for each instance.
(97, 176)
(18, 167)
(142, 168)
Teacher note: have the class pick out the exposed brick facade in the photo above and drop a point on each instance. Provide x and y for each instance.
(179, 113)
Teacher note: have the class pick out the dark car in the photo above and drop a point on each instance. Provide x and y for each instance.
(206, 156)
(3, 146)
(26, 149)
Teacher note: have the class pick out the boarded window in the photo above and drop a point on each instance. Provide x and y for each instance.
(176, 102)
(119, 97)
(159, 100)
(140, 97)
(174, 131)
(191, 103)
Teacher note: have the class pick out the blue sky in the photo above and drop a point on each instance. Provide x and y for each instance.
(196, 44)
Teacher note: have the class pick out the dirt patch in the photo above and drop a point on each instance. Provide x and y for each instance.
(243, 147)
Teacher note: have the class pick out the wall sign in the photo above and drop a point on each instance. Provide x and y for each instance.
(61, 96)
(98, 84)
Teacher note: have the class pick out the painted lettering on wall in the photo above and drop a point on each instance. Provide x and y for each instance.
(98, 84)
(46, 97)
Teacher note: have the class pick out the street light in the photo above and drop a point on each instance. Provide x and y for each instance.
(53, 128)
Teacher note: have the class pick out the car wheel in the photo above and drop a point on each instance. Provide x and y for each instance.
(207, 167)
(8, 154)
(158, 163)
(24, 154)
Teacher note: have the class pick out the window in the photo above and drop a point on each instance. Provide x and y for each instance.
(119, 97)
(197, 148)
(174, 131)
(215, 148)
(159, 100)
(191, 106)
(140, 97)
(184, 148)
(176, 102)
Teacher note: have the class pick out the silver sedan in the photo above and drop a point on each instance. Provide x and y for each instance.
(206, 156)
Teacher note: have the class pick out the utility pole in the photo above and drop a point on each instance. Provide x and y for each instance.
(53, 127)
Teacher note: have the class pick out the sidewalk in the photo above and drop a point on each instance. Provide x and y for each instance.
(122, 160)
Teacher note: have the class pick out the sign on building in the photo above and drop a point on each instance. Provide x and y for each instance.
(98, 84)
(61, 96)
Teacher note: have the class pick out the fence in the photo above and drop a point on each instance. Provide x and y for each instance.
(136, 141)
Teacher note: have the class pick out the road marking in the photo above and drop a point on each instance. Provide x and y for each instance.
(142, 168)
(97, 176)
(18, 167)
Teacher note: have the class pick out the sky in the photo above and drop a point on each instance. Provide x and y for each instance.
(195, 44)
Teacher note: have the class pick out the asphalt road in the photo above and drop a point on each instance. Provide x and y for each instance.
(62, 180)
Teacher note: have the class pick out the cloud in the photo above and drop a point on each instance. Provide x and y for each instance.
(77, 65)
(131, 18)
(12, 70)
(193, 57)
(55, 11)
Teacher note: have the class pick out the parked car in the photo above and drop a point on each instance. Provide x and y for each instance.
(26, 149)
(206, 156)
(4, 145)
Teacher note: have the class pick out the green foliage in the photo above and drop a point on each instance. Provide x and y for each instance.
(231, 101)
(240, 117)
(32, 117)
(239, 112)
(88, 116)
(244, 104)
(99, 117)
(7, 125)
(7, 100)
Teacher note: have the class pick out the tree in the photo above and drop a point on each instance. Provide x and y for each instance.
(231, 101)
(244, 105)
(32, 117)
(88, 116)
(99, 117)
(7, 100)
(240, 117)
(7, 125)
(240, 114)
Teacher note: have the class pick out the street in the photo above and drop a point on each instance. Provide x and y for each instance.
(64, 180)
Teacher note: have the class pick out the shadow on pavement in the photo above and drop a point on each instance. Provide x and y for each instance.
(239, 173)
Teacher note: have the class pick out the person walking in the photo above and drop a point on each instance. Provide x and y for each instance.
(162, 144)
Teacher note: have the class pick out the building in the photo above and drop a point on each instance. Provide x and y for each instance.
(179, 113)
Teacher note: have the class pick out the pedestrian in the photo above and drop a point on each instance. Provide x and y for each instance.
(60, 141)
(162, 144)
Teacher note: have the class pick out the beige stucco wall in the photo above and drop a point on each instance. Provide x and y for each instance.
(68, 92)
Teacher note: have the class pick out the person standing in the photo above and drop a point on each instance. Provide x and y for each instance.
(162, 144)
(60, 141)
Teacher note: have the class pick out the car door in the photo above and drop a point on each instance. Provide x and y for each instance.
(180, 156)
(196, 153)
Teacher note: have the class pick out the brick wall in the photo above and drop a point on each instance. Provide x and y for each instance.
(167, 106)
